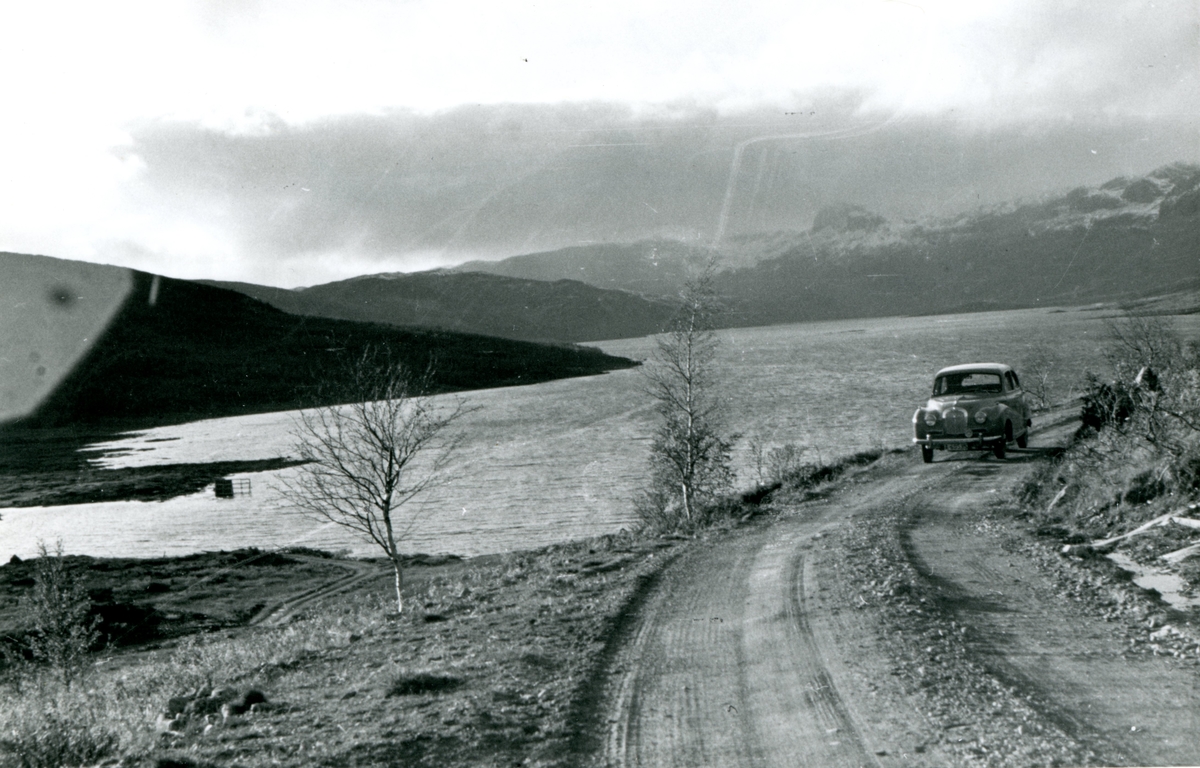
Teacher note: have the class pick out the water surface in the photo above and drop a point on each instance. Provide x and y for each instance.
(564, 459)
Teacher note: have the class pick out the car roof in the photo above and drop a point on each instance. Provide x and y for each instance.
(999, 368)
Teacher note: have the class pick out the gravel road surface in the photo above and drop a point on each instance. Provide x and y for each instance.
(762, 649)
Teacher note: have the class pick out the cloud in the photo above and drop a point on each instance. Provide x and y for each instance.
(471, 181)
(399, 191)
(242, 133)
(1064, 60)
(215, 59)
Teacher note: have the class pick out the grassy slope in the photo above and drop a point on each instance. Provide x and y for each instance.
(491, 665)
(151, 599)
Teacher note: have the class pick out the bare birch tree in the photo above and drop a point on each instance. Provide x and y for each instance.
(362, 464)
(690, 453)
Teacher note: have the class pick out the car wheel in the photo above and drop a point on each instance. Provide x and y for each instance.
(1023, 440)
(927, 454)
(1002, 444)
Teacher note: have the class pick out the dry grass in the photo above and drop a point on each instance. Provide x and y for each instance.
(486, 670)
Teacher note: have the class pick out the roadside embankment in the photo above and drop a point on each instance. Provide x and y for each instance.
(1014, 652)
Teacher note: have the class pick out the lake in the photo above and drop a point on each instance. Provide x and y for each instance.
(563, 460)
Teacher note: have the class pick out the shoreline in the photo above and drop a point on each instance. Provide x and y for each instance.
(89, 485)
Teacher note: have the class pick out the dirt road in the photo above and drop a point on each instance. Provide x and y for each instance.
(761, 649)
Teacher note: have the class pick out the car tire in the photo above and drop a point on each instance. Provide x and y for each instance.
(927, 454)
(1002, 443)
(1023, 440)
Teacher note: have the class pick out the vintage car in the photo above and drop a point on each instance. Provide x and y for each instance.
(974, 407)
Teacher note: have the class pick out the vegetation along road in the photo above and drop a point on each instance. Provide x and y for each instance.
(888, 622)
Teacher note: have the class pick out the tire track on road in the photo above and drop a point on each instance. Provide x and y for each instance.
(737, 659)
(724, 668)
(678, 699)
(1069, 662)
(798, 714)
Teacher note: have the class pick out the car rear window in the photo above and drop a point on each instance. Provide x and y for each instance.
(967, 382)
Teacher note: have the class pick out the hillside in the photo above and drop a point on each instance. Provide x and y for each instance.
(515, 308)
(173, 350)
(1127, 238)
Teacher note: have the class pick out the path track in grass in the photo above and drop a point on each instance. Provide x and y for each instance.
(279, 613)
(744, 656)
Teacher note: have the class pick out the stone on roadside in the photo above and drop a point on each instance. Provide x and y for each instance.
(243, 703)
(165, 724)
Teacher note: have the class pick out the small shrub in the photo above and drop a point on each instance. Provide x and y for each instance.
(59, 613)
(1040, 482)
(309, 552)
(422, 682)
(783, 461)
(1038, 374)
(722, 512)
(1189, 571)
(811, 475)
(805, 476)
(1106, 403)
(658, 511)
(1145, 486)
(54, 740)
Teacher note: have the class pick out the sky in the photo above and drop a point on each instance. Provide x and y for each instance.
(294, 143)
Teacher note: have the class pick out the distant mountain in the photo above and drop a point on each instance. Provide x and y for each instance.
(656, 268)
(649, 268)
(847, 218)
(494, 305)
(1126, 238)
(97, 344)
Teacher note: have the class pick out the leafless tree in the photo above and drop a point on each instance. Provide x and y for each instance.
(1162, 375)
(1142, 340)
(756, 443)
(690, 453)
(367, 459)
(1038, 373)
(1150, 411)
